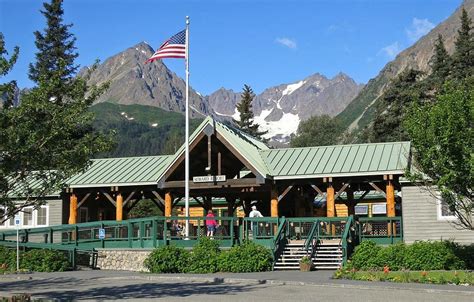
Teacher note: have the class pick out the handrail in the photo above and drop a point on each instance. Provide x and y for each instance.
(345, 240)
(279, 238)
(309, 241)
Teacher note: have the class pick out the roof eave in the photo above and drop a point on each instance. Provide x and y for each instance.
(377, 173)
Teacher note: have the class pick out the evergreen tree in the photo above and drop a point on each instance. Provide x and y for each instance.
(49, 137)
(6, 64)
(318, 131)
(390, 111)
(440, 63)
(246, 120)
(463, 57)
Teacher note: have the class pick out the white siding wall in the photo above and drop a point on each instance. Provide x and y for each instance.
(421, 219)
(55, 212)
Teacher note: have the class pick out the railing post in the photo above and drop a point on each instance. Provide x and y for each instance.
(141, 232)
(153, 231)
(129, 233)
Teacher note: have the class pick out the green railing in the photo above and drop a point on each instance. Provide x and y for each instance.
(382, 230)
(261, 230)
(312, 240)
(133, 233)
(348, 237)
(280, 240)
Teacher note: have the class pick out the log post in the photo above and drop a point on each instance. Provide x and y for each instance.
(73, 209)
(350, 202)
(168, 204)
(330, 206)
(274, 203)
(390, 207)
(119, 207)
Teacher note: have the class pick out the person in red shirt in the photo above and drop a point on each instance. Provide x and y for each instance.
(211, 223)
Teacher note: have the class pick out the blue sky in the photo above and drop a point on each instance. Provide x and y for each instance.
(261, 43)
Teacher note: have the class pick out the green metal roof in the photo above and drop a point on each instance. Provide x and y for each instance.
(337, 161)
(125, 171)
(32, 185)
(246, 145)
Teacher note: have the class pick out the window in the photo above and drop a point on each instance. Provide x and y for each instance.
(379, 209)
(42, 216)
(2, 216)
(444, 213)
(28, 216)
(361, 209)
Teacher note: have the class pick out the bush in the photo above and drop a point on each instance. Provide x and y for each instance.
(36, 260)
(204, 257)
(245, 258)
(421, 255)
(168, 259)
(365, 256)
(44, 261)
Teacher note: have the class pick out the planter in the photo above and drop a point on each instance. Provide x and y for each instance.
(305, 266)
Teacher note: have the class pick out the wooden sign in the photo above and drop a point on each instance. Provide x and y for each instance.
(209, 178)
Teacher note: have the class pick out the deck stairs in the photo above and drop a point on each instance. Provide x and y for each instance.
(327, 255)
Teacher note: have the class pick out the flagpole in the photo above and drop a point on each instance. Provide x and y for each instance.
(186, 160)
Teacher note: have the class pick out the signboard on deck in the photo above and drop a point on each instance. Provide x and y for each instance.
(17, 220)
(101, 234)
(209, 178)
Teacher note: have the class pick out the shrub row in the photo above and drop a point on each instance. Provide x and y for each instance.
(206, 257)
(36, 260)
(421, 255)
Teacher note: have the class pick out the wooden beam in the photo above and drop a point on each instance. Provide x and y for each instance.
(128, 198)
(219, 164)
(235, 183)
(119, 208)
(109, 198)
(84, 199)
(318, 190)
(158, 204)
(72, 209)
(284, 193)
(158, 197)
(341, 190)
(373, 185)
(209, 155)
(274, 203)
(199, 202)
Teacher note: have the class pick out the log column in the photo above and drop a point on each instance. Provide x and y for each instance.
(274, 203)
(350, 202)
(168, 204)
(119, 207)
(390, 206)
(73, 209)
(330, 207)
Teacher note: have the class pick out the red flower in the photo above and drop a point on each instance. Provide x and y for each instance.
(386, 269)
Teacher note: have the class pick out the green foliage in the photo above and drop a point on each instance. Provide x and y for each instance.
(365, 255)
(138, 137)
(390, 111)
(49, 137)
(318, 131)
(204, 257)
(245, 258)
(144, 208)
(440, 63)
(168, 259)
(246, 116)
(305, 260)
(463, 57)
(422, 255)
(443, 139)
(36, 260)
(39, 260)
(433, 277)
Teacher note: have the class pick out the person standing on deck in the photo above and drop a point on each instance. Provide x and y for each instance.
(254, 214)
(210, 223)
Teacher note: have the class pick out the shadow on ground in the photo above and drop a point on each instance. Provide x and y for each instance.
(51, 289)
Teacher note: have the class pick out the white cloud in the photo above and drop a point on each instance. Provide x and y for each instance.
(391, 50)
(290, 43)
(418, 28)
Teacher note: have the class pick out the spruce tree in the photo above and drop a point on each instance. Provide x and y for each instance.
(246, 116)
(49, 137)
(440, 63)
(56, 52)
(463, 57)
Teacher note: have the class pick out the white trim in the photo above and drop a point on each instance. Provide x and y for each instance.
(439, 212)
(34, 218)
(334, 175)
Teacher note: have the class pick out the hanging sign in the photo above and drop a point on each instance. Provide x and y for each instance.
(209, 178)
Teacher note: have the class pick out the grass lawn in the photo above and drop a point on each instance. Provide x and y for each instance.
(433, 277)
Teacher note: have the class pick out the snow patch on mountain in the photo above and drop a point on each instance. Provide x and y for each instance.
(292, 87)
(284, 128)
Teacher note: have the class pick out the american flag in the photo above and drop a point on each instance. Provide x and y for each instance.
(174, 47)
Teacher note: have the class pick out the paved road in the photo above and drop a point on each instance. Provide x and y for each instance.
(271, 286)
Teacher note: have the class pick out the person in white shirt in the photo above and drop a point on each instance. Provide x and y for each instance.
(254, 214)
